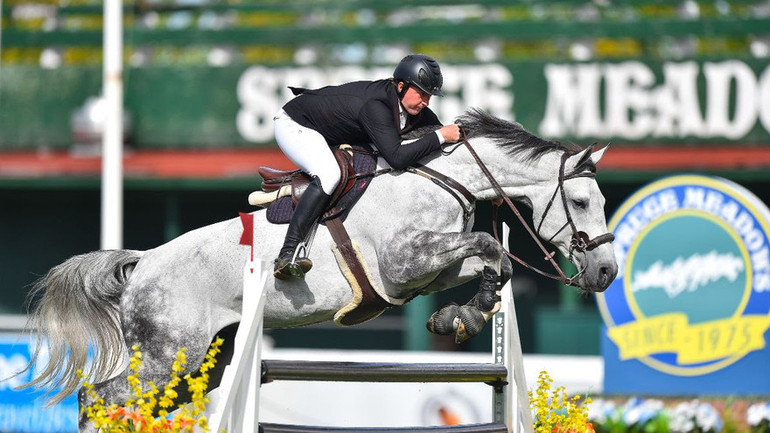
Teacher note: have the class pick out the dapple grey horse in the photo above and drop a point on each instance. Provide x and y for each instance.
(413, 235)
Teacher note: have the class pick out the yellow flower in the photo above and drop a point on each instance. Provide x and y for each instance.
(136, 415)
(554, 412)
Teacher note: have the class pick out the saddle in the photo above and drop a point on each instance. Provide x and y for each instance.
(281, 190)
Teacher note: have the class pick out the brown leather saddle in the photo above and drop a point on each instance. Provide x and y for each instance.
(273, 179)
(357, 167)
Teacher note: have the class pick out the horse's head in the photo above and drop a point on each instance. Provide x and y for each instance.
(556, 181)
(568, 211)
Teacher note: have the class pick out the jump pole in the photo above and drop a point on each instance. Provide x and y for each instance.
(511, 406)
(236, 406)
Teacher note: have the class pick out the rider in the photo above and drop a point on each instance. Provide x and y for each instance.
(376, 112)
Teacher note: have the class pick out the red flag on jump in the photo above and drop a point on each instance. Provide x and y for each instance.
(247, 237)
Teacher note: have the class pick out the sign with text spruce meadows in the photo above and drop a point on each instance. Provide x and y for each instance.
(689, 311)
(632, 102)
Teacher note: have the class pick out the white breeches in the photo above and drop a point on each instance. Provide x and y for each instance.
(307, 149)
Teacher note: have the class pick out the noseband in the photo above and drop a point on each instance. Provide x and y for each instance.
(580, 242)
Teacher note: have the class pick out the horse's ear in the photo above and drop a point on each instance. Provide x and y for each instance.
(596, 156)
(584, 155)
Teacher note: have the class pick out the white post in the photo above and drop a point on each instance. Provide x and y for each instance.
(1, 30)
(512, 407)
(112, 134)
(237, 407)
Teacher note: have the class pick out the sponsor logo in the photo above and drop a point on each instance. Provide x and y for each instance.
(692, 294)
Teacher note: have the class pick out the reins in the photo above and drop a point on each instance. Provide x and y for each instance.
(580, 241)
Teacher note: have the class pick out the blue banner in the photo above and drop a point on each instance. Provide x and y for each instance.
(23, 411)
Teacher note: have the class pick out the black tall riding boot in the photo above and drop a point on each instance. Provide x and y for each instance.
(310, 207)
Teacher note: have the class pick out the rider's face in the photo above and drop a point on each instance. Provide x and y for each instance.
(414, 99)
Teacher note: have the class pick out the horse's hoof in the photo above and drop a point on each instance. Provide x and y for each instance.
(472, 322)
(442, 321)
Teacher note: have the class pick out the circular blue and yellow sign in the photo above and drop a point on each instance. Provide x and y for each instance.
(692, 295)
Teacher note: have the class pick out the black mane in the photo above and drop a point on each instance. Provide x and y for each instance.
(416, 133)
(479, 123)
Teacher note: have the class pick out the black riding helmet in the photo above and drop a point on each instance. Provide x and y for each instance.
(421, 71)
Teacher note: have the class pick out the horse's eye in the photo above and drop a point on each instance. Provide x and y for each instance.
(580, 204)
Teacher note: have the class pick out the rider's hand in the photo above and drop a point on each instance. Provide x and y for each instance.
(451, 133)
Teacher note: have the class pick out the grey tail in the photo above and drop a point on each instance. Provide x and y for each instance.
(76, 308)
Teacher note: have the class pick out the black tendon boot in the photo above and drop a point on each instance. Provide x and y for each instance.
(310, 207)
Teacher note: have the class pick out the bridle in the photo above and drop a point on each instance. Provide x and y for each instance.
(580, 241)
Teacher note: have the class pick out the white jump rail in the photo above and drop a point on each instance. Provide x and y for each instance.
(237, 407)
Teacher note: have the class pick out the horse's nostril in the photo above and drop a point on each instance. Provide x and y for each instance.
(607, 274)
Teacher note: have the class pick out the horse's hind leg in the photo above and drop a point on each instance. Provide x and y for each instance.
(157, 361)
(115, 390)
(155, 368)
(159, 332)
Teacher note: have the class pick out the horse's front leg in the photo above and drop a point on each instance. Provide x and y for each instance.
(465, 321)
(434, 261)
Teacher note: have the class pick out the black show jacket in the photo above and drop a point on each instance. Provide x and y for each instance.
(364, 112)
